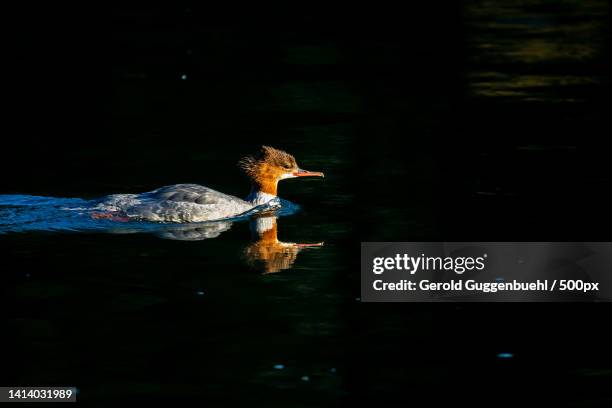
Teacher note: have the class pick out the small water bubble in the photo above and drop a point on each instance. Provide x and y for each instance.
(305, 378)
(200, 293)
(332, 370)
(184, 77)
(505, 356)
(358, 299)
(279, 367)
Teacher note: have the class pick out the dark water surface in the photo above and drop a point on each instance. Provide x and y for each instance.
(479, 121)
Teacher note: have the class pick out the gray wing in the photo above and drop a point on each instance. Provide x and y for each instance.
(176, 203)
(191, 193)
(187, 203)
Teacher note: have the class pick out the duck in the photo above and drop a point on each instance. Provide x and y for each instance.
(191, 203)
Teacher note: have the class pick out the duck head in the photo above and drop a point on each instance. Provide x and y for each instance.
(267, 168)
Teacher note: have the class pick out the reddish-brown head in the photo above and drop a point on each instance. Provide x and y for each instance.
(271, 165)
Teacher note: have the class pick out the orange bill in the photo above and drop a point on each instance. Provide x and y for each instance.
(306, 173)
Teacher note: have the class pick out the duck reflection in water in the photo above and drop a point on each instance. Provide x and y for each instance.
(267, 251)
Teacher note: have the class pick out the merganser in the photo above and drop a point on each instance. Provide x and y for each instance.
(196, 203)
